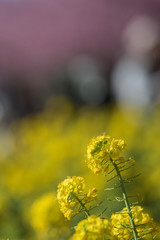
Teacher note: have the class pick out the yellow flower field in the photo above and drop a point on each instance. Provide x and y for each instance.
(43, 149)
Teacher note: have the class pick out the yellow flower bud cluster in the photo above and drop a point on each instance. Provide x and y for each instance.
(91, 195)
(71, 196)
(145, 225)
(93, 228)
(100, 150)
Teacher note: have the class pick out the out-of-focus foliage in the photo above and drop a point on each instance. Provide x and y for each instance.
(38, 152)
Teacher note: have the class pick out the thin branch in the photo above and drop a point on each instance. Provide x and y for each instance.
(125, 197)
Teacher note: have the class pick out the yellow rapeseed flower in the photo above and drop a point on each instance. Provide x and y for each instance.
(71, 196)
(145, 225)
(93, 228)
(100, 150)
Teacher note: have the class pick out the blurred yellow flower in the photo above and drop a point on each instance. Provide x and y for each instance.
(45, 217)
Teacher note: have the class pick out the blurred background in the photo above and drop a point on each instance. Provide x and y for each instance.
(69, 71)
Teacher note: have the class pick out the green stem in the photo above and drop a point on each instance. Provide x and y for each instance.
(126, 201)
(82, 204)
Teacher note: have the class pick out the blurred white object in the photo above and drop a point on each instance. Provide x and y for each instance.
(132, 84)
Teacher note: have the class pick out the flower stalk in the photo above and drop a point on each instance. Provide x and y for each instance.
(82, 205)
(125, 198)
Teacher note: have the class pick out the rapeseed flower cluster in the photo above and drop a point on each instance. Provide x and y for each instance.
(71, 196)
(145, 225)
(100, 150)
(93, 228)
